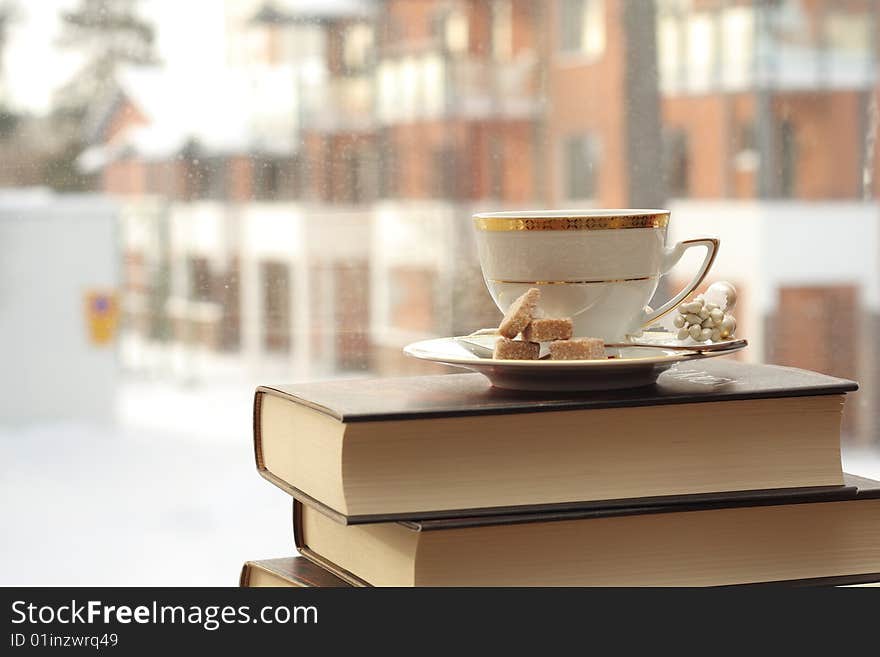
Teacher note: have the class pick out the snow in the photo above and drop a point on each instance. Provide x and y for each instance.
(226, 111)
(167, 495)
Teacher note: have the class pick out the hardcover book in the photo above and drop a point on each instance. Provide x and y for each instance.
(453, 446)
(747, 540)
(287, 572)
(299, 572)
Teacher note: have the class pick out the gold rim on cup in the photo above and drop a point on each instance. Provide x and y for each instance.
(497, 223)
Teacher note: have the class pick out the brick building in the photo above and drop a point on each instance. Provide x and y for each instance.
(512, 103)
(406, 116)
(524, 102)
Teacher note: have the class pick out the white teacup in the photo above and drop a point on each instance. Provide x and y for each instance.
(599, 267)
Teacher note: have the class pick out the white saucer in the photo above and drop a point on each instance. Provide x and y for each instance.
(630, 368)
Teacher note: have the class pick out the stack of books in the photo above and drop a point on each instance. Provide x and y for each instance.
(723, 473)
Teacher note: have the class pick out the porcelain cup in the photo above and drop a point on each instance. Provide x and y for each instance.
(599, 267)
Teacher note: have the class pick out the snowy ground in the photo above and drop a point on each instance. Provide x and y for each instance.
(167, 496)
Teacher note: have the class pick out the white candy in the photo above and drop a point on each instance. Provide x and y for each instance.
(723, 294)
(704, 318)
(728, 326)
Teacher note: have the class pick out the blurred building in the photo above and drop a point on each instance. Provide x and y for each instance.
(768, 116)
(313, 217)
(58, 306)
(221, 268)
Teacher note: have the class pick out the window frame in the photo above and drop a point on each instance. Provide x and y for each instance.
(566, 55)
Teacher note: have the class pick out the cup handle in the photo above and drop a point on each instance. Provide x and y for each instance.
(670, 258)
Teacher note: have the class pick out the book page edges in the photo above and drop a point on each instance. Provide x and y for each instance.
(307, 451)
(303, 548)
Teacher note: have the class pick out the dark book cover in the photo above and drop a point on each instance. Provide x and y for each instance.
(856, 488)
(448, 395)
(298, 571)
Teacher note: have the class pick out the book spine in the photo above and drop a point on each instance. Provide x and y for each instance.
(258, 438)
(314, 557)
(263, 471)
(244, 579)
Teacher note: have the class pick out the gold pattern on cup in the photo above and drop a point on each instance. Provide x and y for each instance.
(503, 224)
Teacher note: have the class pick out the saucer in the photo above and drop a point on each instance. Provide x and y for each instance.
(630, 367)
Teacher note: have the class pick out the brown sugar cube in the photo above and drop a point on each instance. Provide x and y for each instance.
(578, 349)
(520, 313)
(508, 349)
(545, 330)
